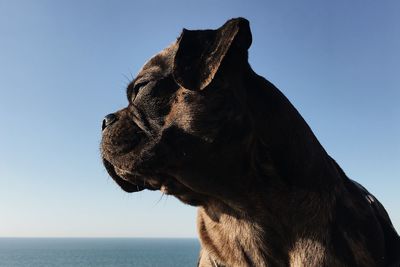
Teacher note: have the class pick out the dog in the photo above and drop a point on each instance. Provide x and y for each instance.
(203, 126)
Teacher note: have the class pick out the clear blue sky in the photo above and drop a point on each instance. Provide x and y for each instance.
(64, 65)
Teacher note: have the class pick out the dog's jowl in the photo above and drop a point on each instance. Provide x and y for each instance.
(201, 125)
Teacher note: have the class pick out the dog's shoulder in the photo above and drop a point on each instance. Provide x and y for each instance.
(391, 238)
(373, 222)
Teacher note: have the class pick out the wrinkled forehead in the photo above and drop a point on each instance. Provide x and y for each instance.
(160, 65)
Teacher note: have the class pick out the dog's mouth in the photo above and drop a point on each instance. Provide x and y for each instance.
(126, 185)
(165, 183)
(134, 182)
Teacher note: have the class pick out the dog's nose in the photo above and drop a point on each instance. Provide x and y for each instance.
(108, 120)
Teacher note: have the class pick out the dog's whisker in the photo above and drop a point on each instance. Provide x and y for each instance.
(165, 198)
(127, 78)
(161, 197)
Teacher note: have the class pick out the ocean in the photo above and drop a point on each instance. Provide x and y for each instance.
(97, 252)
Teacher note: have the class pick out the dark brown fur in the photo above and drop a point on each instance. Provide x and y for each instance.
(202, 126)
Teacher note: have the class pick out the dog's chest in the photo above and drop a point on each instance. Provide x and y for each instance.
(230, 241)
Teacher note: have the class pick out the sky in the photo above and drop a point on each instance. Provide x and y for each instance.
(66, 64)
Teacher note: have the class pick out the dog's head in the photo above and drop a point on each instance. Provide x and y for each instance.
(201, 125)
(183, 131)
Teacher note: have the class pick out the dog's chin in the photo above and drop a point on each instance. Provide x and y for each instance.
(134, 182)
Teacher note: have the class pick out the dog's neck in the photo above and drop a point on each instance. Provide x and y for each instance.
(285, 138)
(292, 176)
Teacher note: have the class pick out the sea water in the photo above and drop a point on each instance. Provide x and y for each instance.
(116, 252)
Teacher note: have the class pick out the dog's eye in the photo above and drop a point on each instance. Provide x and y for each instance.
(137, 87)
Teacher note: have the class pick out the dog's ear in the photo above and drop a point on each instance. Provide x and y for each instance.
(200, 53)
